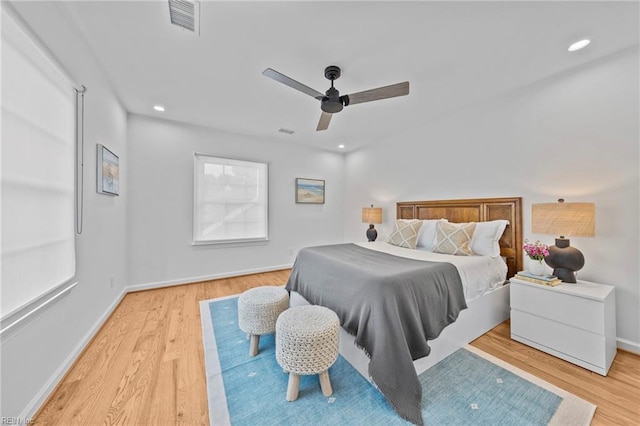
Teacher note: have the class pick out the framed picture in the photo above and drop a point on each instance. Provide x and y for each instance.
(108, 166)
(309, 191)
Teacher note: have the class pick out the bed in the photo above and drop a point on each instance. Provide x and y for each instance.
(390, 332)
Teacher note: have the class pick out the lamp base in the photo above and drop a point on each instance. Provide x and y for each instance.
(372, 234)
(565, 260)
(566, 275)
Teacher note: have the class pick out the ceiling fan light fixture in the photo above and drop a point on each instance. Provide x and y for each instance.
(331, 106)
(579, 45)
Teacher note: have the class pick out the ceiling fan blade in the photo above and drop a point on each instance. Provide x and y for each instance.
(325, 118)
(292, 83)
(399, 89)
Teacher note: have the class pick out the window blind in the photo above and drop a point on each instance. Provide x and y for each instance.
(230, 200)
(37, 172)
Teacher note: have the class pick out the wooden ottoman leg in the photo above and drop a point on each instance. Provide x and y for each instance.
(294, 386)
(254, 344)
(325, 383)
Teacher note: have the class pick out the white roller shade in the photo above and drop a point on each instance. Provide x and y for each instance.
(37, 174)
(230, 200)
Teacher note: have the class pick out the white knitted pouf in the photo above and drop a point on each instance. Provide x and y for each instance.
(258, 310)
(307, 343)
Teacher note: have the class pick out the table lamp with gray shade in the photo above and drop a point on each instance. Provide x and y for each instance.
(566, 220)
(372, 215)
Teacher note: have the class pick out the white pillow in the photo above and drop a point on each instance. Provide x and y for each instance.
(486, 237)
(427, 234)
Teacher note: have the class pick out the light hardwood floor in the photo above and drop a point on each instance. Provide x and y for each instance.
(145, 366)
(617, 395)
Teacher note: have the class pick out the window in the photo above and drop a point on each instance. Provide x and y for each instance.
(37, 179)
(230, 200)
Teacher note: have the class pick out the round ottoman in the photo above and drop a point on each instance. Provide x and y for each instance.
(307, 343)
(258, 309)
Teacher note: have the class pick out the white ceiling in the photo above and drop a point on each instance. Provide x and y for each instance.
(453, 53)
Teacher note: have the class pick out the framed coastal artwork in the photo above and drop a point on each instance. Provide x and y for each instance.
(108, 166)
(309, 191)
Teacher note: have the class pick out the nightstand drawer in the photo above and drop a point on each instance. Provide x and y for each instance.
(576, 343)
(580, 312)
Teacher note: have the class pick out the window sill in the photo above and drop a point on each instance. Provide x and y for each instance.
(230, 243)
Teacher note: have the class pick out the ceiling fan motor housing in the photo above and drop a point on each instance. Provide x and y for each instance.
(332, 102)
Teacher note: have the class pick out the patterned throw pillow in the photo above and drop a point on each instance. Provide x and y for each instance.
(454, 238)
(405, 233)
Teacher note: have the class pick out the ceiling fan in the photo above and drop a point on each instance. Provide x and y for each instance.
(331, 102)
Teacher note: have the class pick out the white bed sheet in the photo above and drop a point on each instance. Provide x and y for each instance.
(479, 274)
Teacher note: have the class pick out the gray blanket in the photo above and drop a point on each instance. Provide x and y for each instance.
(392, 305)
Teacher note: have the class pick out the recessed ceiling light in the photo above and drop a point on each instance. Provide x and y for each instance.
(287, 131)
(579, 45)
(341, 146)
(158, 108)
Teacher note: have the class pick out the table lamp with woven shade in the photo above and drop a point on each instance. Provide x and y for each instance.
(372, 215)
(566, 220)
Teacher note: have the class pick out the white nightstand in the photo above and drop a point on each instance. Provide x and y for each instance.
(575, 322)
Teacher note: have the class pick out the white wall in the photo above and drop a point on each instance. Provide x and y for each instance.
(573, 136)
(161, 202)
(34, 357)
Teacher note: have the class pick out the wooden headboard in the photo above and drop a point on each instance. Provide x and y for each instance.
(476, 210)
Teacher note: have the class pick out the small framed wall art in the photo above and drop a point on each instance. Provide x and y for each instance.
(309, 191)
(108, 166)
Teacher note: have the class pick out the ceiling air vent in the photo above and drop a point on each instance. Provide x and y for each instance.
(185, 14)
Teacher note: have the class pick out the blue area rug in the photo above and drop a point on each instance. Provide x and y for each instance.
(463, 389)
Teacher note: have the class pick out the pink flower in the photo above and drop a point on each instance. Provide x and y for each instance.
(536, 251)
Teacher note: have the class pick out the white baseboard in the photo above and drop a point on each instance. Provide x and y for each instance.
(628, 345)
(160, 284)
(44, 393)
